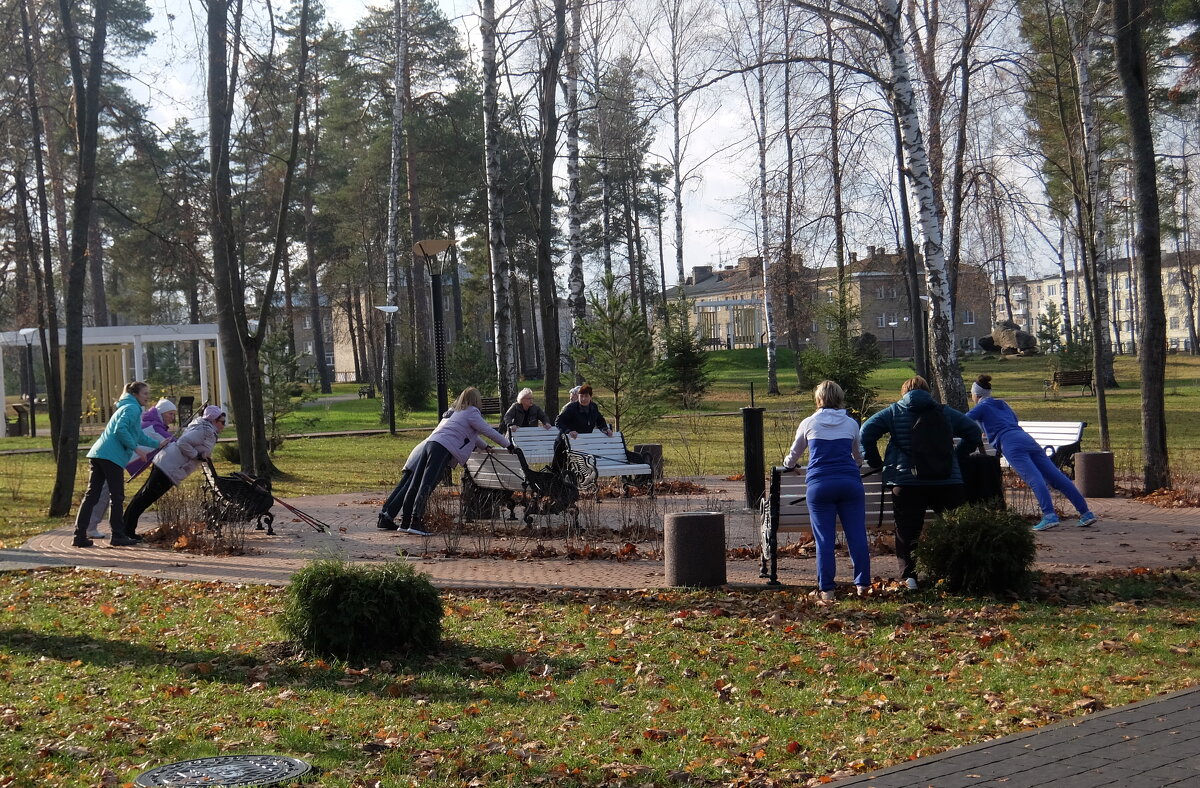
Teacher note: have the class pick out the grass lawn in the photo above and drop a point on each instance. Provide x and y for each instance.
(106, 676)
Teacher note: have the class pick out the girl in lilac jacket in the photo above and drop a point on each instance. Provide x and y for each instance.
(450, 443)
(834, 486)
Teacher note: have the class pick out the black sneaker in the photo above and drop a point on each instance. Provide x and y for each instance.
(82, 541)
(386, 523)
(135, 537)
(121, 541)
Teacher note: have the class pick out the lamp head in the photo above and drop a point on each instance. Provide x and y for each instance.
(389, 310)
(28, 333)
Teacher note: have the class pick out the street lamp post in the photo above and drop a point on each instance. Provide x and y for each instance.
(389, 392)
(429, 250)
(893, 324)
(31, 380)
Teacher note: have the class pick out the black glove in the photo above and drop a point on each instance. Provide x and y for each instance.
(512, 448)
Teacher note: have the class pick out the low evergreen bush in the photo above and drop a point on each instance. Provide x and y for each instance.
(414, 383)
(353, 612)
(975, 549)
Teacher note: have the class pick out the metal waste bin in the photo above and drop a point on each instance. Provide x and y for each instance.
(1094, 475)
(694, 548)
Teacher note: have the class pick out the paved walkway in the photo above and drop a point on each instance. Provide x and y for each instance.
(1153, 743)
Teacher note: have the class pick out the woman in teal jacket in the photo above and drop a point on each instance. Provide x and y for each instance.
(112, 451)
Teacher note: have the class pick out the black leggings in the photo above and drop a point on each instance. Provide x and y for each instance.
(104, 472)
(158, 485)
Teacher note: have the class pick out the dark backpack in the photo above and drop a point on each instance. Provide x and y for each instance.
(932, 445)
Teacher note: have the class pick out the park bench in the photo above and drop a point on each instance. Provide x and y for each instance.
(783, 509)
(1061, 440)
(494, 478)
(1069, 377)
(594, 455)
(537, 443)
(187, 408)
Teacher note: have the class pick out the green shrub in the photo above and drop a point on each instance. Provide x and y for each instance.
(414, 383)
(975, 549)
(355, 612)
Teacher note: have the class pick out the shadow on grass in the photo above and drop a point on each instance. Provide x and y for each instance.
(444, 675)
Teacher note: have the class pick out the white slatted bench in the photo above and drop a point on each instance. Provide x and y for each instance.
(507, 474)
(536, 442)
(1061, 440)
(783, 509)
(594, 455)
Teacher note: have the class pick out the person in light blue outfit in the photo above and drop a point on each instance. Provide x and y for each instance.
(834, 486)
(1024, 454)
(112, 451)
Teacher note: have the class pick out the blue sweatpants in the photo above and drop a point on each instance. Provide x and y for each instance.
(1030, 462)
(830, 499)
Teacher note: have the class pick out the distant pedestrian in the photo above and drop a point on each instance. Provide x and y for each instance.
(175, 463)
(582, 416)
(450, 443)
(1024, 455)
(922, 464)
(833, 486)
(112, 451)
(524, 413)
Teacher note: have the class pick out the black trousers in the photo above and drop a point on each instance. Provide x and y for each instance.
(426, 474)
(908, 505)
(103, 472)
(155, 487)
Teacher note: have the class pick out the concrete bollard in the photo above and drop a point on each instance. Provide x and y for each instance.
(1094, 474)
(694, 548)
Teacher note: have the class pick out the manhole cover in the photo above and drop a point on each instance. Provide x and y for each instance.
(232, 771)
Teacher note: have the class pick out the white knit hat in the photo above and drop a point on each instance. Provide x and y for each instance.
(164, 406)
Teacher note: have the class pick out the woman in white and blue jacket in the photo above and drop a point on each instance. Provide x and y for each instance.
(834, 486)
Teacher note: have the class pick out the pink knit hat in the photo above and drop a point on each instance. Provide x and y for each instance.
(212, 413)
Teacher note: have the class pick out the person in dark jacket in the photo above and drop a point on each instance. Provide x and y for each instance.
(911, 495)
(1024, 454)
(583, 416)
(524, 413)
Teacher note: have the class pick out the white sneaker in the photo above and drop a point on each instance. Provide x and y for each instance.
(826, 596)
(862, 590)
(911, 583)
(94, 533)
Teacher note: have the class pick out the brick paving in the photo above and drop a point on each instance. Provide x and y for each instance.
(1153, 743)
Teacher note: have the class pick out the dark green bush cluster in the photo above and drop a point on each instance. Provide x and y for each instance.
(978, 550)
(414, 383)
(356, 612)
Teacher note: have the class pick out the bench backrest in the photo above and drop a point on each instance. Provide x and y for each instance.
(794, 516)
(496, 470)
(491, 406)
(1054, 433)
(1073, 377)
(598, 444)
(535, 441)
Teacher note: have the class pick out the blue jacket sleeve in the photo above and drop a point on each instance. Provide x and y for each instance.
(872, 430)
(968, 430)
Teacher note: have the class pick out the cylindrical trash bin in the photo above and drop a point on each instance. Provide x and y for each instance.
(1094, 474)
(694, 548)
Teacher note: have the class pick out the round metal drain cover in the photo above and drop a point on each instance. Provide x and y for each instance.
(230, 771)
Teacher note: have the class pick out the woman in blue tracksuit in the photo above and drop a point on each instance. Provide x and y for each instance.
(1024, 454)
(834, 485)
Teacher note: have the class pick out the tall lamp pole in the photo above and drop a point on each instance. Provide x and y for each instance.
(430, 251)
(892, 323)
(389, 391)
(31, 385)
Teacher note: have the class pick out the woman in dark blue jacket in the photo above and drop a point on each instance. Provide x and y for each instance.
(912, 493)
(583, 416)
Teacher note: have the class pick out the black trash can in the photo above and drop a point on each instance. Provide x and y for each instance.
(694, 548)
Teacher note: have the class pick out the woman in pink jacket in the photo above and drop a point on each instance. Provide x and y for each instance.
(451, 443)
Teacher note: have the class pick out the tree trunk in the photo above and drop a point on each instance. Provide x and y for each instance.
(392, 261)
(506, 375)
(547, 288)
(912, 281)
(87, 105)
(835, 171)
(575, 297)
(1128, 21)
(312, 135)
(96, 272)
(946, 369)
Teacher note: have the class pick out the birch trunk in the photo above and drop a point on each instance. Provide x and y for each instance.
(945, 352)
(764, 230)
(506, 374)
(392, 254)
(575, 297)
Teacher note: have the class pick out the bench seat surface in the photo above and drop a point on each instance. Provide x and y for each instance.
(536, 442)
(612, 458)
(496, 470)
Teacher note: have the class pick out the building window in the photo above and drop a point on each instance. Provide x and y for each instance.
(329, 361)
(1127, 284)
(968, 317)
(829, 325)
(1173, 300)
(1174, 323)
(1039, 289)
(1173, 278)
(1127, 327)
(1175, 343)
(1128, 304)
(815, 327)
(881, 321)
(307, 322)
(1051, 290)
(830, 296)
(327, 328)
(308, 348)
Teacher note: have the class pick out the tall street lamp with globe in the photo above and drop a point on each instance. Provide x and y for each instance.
(893, 324)
(31, 384)
(389, 392)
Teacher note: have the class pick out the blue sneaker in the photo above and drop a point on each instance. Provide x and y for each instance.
(1087, 518)
(1046, 523)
